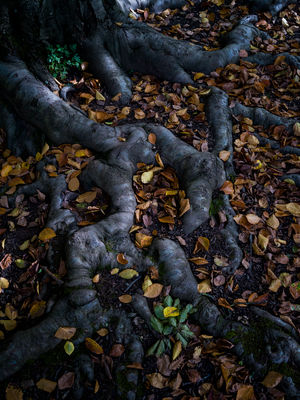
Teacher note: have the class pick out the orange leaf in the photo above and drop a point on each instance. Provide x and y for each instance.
(46, 234)
(152, 138)
(125, 298)
(121, 259)
(227, 188)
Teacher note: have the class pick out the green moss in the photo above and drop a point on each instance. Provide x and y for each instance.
(108, 247)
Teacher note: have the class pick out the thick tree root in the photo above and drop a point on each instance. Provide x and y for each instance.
(274, 6)
(268, 59)
(87, 249)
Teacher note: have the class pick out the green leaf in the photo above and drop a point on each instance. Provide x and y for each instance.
(167, 330)
(159, 312)
(69, 347)
(156, 324)
(153, 348)
(161, 348)
(176, 303)
(182, 339)
(168, 301)
(172, 321)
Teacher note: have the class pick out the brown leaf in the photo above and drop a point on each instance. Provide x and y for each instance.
(65, 332)
(66, 381)
(125, 298)
(13, 393)
(167, 220)
(227, 188)
(86, 197)
(153, 290)
(272, 379)
(273, 222)
(73, 184)
(93, 346)
(198, 260)
(152, 138)
(253, 219)
(139, 114)
(184, 206)
(46, 385)
(143, 240)
(117, 350)
(157, 380)
(224, 155)
(245, 392)
(219, 280)
(202, 243)
(6, 261)
(121, 259)
(295, 290)
(224, 303)
(204, 286)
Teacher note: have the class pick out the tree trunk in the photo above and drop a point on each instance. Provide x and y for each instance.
(30, 113)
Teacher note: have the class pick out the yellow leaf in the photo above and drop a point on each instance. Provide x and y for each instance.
(37, 309)
(16, 181)
(9, 324)
(153, 290)
(198, 75)
(170, 312)
(143, 240)
(257, 164)
(147, 176)
(46, 234)
(13, 393)
(46, 385)
(69, 347)
(204, 286)
(294, 209)
(125, 298)
(6, 170)
(3, 283)
(10, 311)
(96, 278)
(99, 96)
(114, 271)
(176, 349)
(81, 153)
(93, 346)
(128, 273)
(272, 379)
(65, 332)
(147, 282)
(86, 197)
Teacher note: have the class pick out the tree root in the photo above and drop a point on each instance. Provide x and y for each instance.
(274, 6)
(268, 59)
(86, 250)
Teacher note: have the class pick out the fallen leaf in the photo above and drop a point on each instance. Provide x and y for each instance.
(273, 222)
(152, 138)
(47, 234)
(13, 393)
(147, 176)
(69, 347)
(153, 290)
(202, 243)
(86, 197)
(139, 114)
(204, 286)
(224, 155)
(176, 350)
(294, 209)
(46, 385)
(143, 240)
(93, 346)
(37, 309)
(253, 219)
(245, 392)
(128, 273)
(117, 350)
(184, 206)
(65, 332)
(125, 298)
(66, 381)
(272, 379)
(121, 259)
(227, 188)
(73, 184)
(166, 220)
(198, 260)
(157, 380)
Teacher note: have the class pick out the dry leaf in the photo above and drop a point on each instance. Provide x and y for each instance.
(204, 286)
(294, 209)
(13, 393)
(184, 206)
(143, 240)
(128, 273)
(46, 385)
(93, 346)
(147, 176)
(198, 260)
(201, 244)
(253, 219)
(227, 188)
(224, 155)
(65, 332)
(153, 290)
(46, 234)
(152, 138)
(272, 379)
(121, 259)
(245, 392)
(66, 381)
(73, 184)
(117, 350)
(273, 222)
(157, 380)
(166, 220)
(125, 298)
(86, 197)
(176, 349)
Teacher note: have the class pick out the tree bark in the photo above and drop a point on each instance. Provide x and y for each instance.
(115, 45)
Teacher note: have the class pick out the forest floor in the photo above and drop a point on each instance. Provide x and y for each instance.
(267, 212)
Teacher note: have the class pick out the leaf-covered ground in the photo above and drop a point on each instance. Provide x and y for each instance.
(267, 212)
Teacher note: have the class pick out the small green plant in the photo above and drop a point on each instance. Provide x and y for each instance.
(215, 206)
(61, 58)
(170, 321)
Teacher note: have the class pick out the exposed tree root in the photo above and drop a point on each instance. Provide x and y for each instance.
(115, 48)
